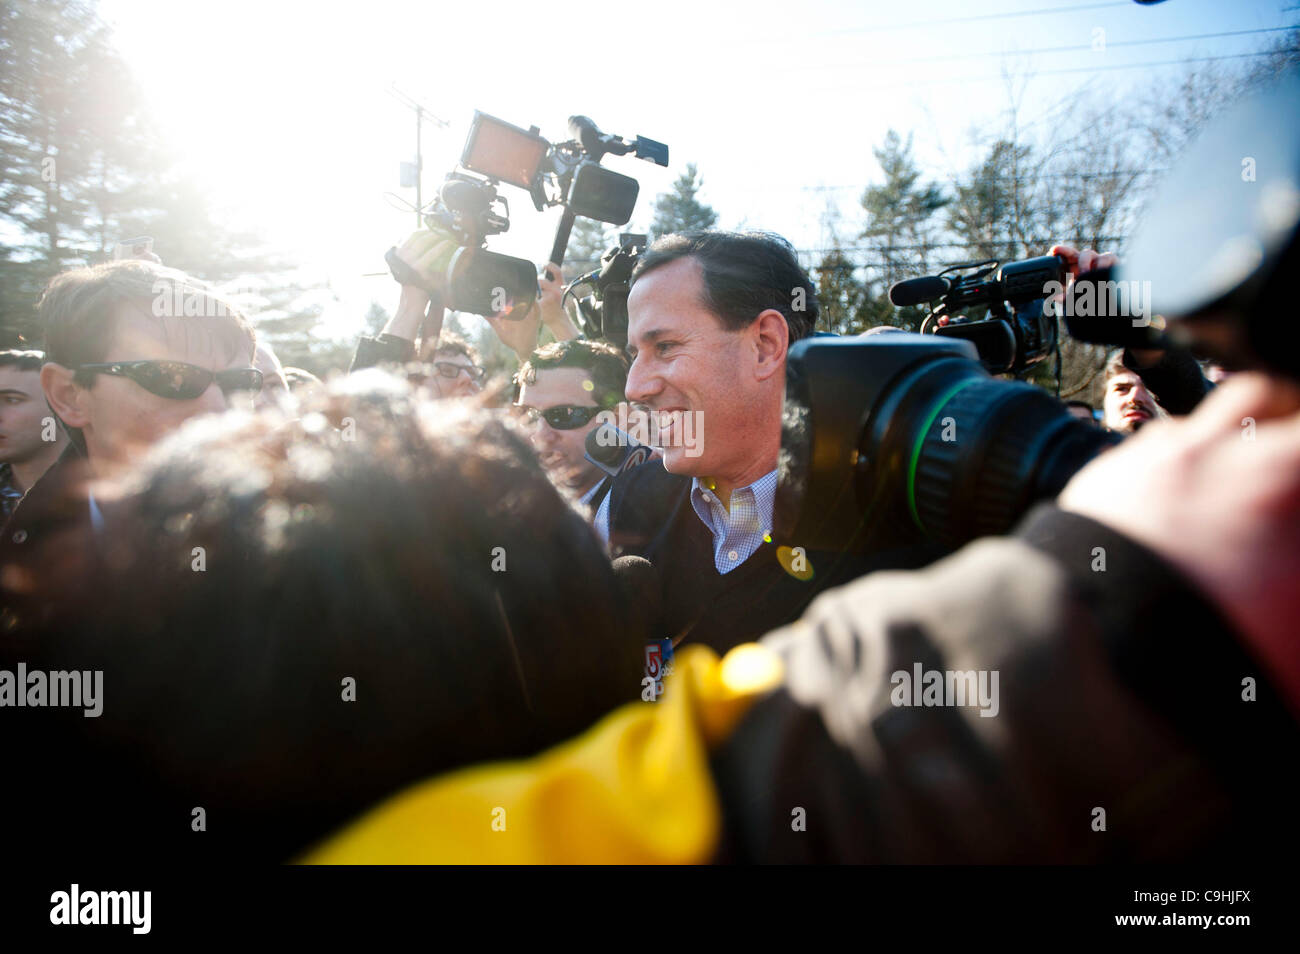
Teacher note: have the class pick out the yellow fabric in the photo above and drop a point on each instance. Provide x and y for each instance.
(634, 789)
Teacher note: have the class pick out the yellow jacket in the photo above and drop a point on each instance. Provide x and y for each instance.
(634, 789)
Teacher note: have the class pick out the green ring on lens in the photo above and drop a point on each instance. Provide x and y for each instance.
(920, 441)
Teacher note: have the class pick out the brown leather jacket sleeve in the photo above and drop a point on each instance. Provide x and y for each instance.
(1119, 690)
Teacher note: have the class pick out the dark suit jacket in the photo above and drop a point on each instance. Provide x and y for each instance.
(651, 516)
(51, 524)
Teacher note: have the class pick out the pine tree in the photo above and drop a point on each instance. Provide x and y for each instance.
(587, 244)
(680, 209)
(83, 167)
(839, 292)
(900, 232)
(987, 210)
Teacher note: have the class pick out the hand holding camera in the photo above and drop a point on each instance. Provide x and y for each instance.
(550, 300)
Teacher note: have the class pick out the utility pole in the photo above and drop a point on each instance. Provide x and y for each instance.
(421, 114)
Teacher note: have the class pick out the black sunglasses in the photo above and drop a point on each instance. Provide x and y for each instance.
(562, 417)
(176, 379)
(449, 369)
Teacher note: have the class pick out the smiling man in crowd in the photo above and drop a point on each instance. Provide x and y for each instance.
(711, 318)
(563, 386)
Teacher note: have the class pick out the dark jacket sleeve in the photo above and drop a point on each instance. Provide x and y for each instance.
(1176, 380)
(1119, 691)
(382, 349)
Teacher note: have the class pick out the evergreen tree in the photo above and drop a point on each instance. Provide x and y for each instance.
(83, 167)
(839, 292)
(986, 211)
(587, 243)
(680, 209)
(900, 233)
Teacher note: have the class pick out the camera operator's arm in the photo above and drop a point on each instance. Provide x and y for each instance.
(425, 254)
(1120, 626)
(519, 335)
(554, 316)
(1220, 501)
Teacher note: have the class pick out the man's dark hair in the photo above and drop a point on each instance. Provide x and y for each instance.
(295, 622)
(22, 360)
(745, 273)
(607, 364)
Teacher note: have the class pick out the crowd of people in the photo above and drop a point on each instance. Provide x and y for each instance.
(309, 600)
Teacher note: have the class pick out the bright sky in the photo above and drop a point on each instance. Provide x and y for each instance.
(281, 108)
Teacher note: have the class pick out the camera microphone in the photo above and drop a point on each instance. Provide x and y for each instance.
(614, 450)
(915, 291)
(588, 133)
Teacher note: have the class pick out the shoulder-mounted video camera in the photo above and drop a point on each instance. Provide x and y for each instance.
(1018, 331)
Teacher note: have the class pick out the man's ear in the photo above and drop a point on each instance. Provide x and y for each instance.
(771, 342)
(69, 400)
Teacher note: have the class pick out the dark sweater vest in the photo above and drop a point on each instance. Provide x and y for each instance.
(651, 516)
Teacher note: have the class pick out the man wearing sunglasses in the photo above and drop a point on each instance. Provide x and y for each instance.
(124, 366)
(562, 387)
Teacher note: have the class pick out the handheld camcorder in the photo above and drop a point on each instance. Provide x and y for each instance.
(1018, 331)
(895, 439)
(469, 208)
(603, 312)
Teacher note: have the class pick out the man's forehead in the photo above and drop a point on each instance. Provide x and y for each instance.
(1123, 377)
(668, 300)
(16, 379)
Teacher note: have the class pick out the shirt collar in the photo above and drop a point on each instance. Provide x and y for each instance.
(588, 498)
(763, 490)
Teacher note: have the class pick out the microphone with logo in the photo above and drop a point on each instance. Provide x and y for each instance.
(614, 450)
(641, 589)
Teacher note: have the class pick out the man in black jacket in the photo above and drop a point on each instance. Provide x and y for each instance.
(711, 318)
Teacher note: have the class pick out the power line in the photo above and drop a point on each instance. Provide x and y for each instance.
(1046, 49)
(1118, 174)
(1036, 73)
(1045, 243)
(1046, 11)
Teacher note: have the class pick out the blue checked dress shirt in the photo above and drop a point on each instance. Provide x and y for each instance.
(738, 532)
